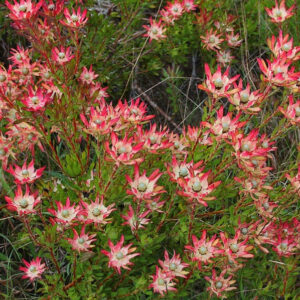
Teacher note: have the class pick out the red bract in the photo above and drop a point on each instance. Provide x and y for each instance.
(65, 214)
(265, 207)
(252, 152)
(284, 246)
(25, 174)
(155, 31)
(223, 126)
(83, 241)
(283, 45)
(96, 212)
(175, 9)
(204, 250)
(62, 55)
(244, 99)
(6, 150)
(153, 140)
(224, 58)
(233, 249)
(174, 267)
(23, 204)
(167, 17)
(133, 221)
(134, 113)
(162, 282)
(181, 169)
(279, 14)
(88, 76)
(33, 269)
(180, 144)
(75, 20)
(53, 7)
(278, 72)
(25, 135)
(23, 10)
(295, 181)
(292, 112)
(218, 85)
(98, 92)
(233, 40)
(123, 150)
(20, 56)
(189, 5)
(219, 285)
(143, 187)
(119, 256)
(253, 186)
(197, 188)
(212, 40)
(155, 205)
(100, 122)
(197, 135)
(36, 100)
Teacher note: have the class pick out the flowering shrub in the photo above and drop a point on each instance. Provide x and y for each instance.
(103, 202)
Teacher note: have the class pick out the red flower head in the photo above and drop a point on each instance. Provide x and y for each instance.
(143, 187)
(223, 126)
(265, 207)
(153, 140)
(155, 31)
(197, 188)
(134, 222)
(53, 7)
(96, 212)
(218, 85)
(175, 9)
(212, 40)
(233, 40)
(135, 113)
(233, 249)
(224, 58)
(277, 72)
(203, 250)
(23, 204)
(25, 174)
(88, 76)
(189, 5)
(197, 135)
(36, 100)
(6, 147)
(20, 56)
(122, 150)
(280, 14)
(23, 10)
(33, 269)
(100, 122)
(295, 181)
(119, 256)
(179, 170)
(83, 241)
(174, 267)
(75, 20)
(155, 205)
(284, 246)
(283, 45)
(62, 55)
(244, 99)
(162, 282)
(292, 112)
(65, 214)
(219, 285)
